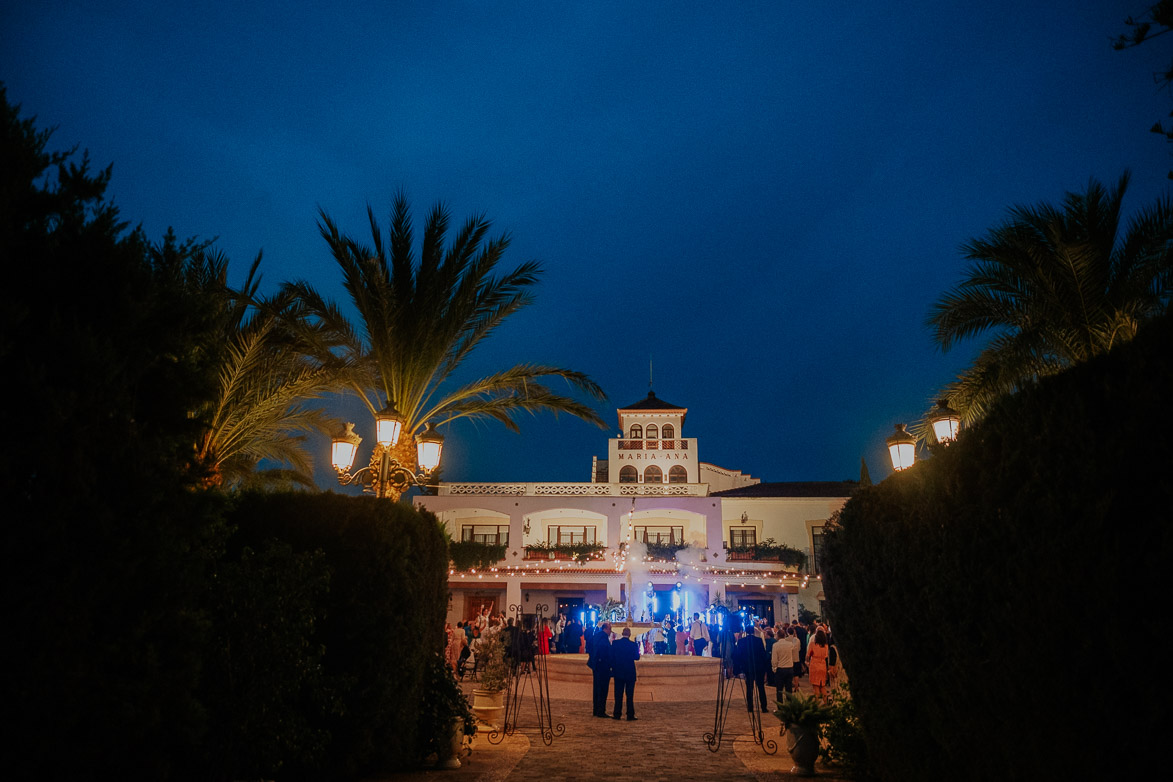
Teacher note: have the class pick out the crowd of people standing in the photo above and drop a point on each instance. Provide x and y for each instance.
(777, 656)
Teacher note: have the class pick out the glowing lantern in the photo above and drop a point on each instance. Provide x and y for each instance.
(344, 447)
(429, 444)
(388, 425)
(902, 447)
(946, 422)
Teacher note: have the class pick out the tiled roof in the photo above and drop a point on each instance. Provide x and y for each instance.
(793, 489)
(652, 403)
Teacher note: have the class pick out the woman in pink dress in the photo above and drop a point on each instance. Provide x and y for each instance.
(816, 661)
(456, 642)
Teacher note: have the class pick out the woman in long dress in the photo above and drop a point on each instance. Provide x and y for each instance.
(456, 642)
(544, 636)
(816, 662)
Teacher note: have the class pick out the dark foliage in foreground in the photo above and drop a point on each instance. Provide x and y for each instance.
(378, 627)
(148, 636)
(100, 347)
(1000, 607)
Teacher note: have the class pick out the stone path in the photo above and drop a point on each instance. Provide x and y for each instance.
(665, 744)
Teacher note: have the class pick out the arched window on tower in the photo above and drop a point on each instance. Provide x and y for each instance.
(677, 474)
(667, 432)
(637, 432)
(653, 474)
(628, 475)
(653, 432)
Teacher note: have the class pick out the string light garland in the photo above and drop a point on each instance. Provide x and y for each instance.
(654, 567)
(761, 578)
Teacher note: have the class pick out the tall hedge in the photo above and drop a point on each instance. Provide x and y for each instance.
(105, 353)
(1000, 607)
(381, 622)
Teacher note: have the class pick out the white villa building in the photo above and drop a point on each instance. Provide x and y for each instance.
(651, 489)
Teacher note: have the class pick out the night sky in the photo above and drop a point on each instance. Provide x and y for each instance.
(760, 199)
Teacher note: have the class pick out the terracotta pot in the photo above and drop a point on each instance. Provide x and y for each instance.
(803, 746)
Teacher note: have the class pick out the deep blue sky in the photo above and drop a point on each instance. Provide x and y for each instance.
(764, 199)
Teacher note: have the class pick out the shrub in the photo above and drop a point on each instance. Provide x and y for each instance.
(493, 663)
(802, 710)
(467, 554)
(1007, 587)
(380, 625)
(106, 546)
(787, 555)
(445, 704)
(665, 551)
(262, 681)
(771, 550)
(844, 742)
(579, 552)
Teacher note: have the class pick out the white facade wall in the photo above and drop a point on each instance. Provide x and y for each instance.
(721, 479)
(706, 521)
(532, 511)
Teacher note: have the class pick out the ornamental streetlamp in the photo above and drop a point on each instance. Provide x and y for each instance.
(902, 448)
(385, 476)
(945, 422)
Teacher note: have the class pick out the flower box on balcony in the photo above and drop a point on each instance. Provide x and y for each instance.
(767, 551)
(578, 552)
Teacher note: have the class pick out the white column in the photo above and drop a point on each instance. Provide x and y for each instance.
(714, 531)
(512, 592)
(516, 538)
(613, 589)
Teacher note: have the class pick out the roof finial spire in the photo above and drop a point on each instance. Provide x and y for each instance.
(650, 389)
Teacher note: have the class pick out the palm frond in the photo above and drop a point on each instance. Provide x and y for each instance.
(1053, 286)
(421, 317)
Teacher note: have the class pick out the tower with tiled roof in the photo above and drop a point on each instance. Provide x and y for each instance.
(650, 448)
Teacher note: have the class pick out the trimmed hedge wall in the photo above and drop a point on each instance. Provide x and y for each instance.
(1000, 607)
(376, 628)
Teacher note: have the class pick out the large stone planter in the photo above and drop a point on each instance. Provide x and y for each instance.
(450, 751)
(803, 746)
(488, 706)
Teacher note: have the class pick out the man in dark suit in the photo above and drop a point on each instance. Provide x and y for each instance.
(572, 637)
(624, 653)
(599, 659)
(749, 658)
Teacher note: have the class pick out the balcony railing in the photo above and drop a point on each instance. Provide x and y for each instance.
(562, 552)
(767, 551)
(652, 445)
(470, 554)
(572, 489)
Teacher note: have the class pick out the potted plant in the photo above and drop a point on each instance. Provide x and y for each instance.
(802, 717)
(845, 743)
(445, 719)
(494, 671)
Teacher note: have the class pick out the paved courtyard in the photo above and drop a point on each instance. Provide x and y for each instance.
(664, 744)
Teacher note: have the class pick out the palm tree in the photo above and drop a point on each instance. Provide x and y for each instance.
(421, 317)
(1055, 287)
(265, 376)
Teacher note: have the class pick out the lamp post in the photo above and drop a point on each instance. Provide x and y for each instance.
(945, 422)
(902, 448)
(385, 476)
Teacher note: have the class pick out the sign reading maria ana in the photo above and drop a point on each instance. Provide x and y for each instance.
(661, 456)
